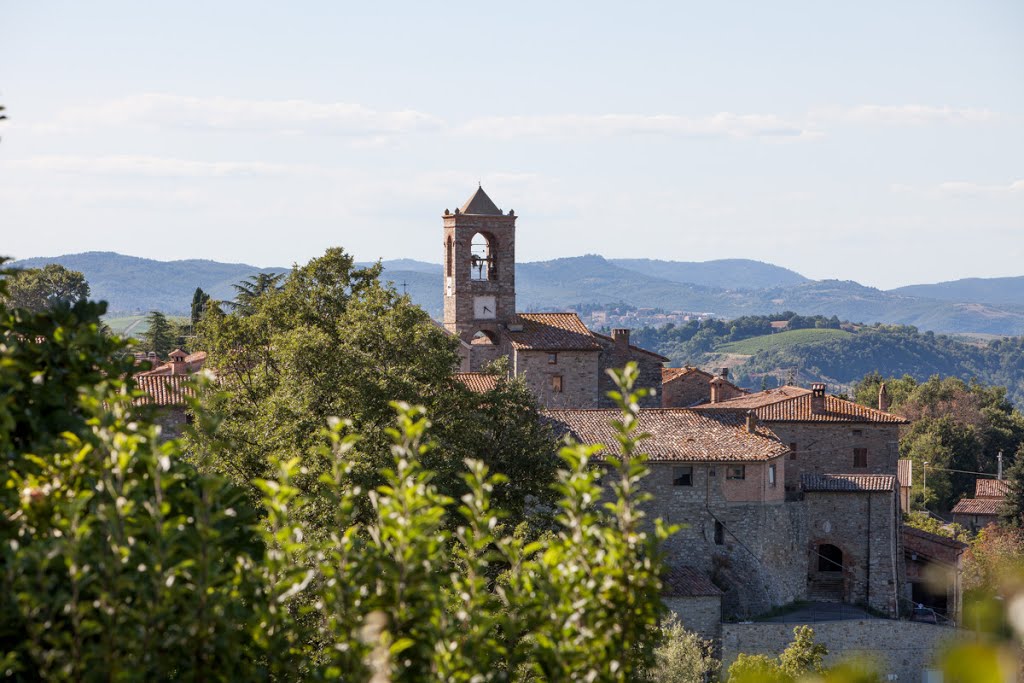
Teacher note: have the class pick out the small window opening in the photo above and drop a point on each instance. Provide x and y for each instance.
(483, 258)
(860, 457)
(556, 384)
(830, 558)
(858, 432)
(771, 475)
(719, 533)
(682, 476)
(736, 472)
(484, 338)
(448, 257)
(552, 359)
(792, 451)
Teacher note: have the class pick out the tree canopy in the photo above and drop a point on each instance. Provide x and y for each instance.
(37, 289)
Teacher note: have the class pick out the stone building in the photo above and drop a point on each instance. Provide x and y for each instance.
(166, 397)
(561, 361)
(978, 512)
(694, 600)
(933, 573)
(825, 434)
(688, 386)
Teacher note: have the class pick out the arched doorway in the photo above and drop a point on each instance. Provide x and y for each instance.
(830, 558)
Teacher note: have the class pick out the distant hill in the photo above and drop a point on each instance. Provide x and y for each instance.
(132, 285)
(995, 290)
(729, 273)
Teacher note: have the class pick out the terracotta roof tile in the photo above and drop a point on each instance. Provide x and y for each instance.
(676, 434)
(933, 538)
(847, 483)
(669, 374)
(480, 382)
(991, 488)
(686, 582)
(761, 398)
(164, 390)
(552, 332)
(977, 506)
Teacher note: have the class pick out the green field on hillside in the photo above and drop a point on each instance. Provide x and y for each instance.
(781, 340)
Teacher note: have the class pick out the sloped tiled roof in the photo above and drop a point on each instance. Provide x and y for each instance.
(672, 374)
(990, 488)
(676, 434)
(633, 347)
(977, 506)
(793, 404)
(932, 538)
(904, 472)
(687, 582)
(193, 363)
(164, 390)
(552, 332)
(480, 205)
(480, 382)
(848, 483)
(761, 398)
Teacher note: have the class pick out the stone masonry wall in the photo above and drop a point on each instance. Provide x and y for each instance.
(578, 370)
(761, 559)
(827, 448)
(702, 614)
(648, 366)
(460, 289)
(901, 648)
(865, 527)
(693, 388)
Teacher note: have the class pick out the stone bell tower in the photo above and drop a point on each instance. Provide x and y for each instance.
(479, 270)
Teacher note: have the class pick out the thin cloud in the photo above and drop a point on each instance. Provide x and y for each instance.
(153, 166)
(959, 188)
(904, 115)
(724, 124)
(225, 113)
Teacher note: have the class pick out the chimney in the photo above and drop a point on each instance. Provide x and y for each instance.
(621, 337)
(883, 398)
(751, 422)
(817, 398)
(724, 373)
(716, 389)
(177, 359)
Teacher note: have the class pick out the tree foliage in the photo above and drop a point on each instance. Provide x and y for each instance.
(801, 657)
(118, 560)
(200, 299)
(161, 336)
(683, 656)
(37, 289)
(334, 342)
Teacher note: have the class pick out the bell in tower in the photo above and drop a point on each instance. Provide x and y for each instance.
(479, 270)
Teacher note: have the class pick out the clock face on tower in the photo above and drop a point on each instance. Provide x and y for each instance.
(484, 308)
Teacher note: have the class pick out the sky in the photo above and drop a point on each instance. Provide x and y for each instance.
(872, 141)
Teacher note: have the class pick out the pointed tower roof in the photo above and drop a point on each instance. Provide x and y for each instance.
(480, 204)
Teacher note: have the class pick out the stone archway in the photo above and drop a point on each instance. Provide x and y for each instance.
(826, 580)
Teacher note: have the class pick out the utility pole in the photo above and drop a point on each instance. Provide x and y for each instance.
(999, 459)
(925, 485)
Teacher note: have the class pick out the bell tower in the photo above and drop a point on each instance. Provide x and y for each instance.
(479, 270)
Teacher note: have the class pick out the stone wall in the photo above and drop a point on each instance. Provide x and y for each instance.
(865, 527)
(901, 648)
(702, 614)
(693, 388)
(171, 419)
(578, 370)
(740, 533)
(827, 448)
(616, 356)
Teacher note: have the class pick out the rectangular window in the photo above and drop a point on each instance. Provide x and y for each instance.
(552, 359)
(857, 432)
(860, 457)
(556, 384)
(736, 472)
(771, 475)
(719, 533)
(682, 476)
(792, 451)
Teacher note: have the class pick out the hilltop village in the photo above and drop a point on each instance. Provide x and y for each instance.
(785, 496)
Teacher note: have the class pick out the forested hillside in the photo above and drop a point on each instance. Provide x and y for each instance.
(834, 357)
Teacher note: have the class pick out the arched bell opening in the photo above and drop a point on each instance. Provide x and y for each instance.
(483, 338)
(483, 257)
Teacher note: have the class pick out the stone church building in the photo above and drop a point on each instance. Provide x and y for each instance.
(562, 361)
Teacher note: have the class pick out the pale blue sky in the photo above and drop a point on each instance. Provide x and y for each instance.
(875, 141)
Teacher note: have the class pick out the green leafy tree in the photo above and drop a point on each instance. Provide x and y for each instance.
(252, 288)
(919, 519)
(802, 657)
(37, 289)
(1012, 512)
(199, 302)
(160, 335)
(683, 656)
(334, 342)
